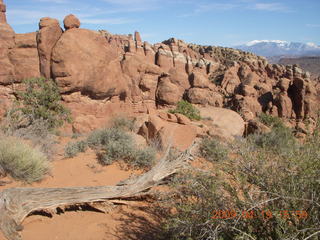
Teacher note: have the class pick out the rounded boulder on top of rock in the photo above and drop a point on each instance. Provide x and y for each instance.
(47, 22)
(71, 21)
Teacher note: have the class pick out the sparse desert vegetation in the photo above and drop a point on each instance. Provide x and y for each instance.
(21, 161)
(27, 130)
(258, 192)
(41, 100)
(187, 109)
(115, 143)
(109, 136)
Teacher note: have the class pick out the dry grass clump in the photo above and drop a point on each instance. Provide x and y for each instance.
(22, 162)
(73, 148)
(37, 131)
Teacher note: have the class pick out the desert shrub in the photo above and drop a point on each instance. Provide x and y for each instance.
(114, 144)
(282, 192)
(195, 197)
(104, 137)
(72, 149)
(117, 144)
(271, 121)
(187, 109)
(213, 150)
(95, 139)
(41, 100)
(123, 123)
(280, 140)
(17, 125)
(22, 162)
(144, 158)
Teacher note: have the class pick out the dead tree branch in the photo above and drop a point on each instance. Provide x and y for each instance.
(17, 203)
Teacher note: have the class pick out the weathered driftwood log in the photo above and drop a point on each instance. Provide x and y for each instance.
(17, 203)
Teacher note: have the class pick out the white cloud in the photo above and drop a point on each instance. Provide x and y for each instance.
(214, 6)
(110, 21)
(130, 2)
(274, 7)
(202, 8)
(20, 16)
(114, 13)
(236, 4)
(126, 5)
(313, 25)
(52, 1)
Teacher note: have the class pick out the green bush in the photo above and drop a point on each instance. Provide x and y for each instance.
(271, 121)
(123, 123)
(41, 100)
(21, 161)
(280, 140)
(144, 158)
(187, 109)
(114, 144)
(72, 149)
(255, 179)
(213, 150)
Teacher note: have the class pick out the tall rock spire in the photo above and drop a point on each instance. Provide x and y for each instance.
(3, 18)
(6, 42)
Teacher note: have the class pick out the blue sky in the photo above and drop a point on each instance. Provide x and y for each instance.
(208, 22)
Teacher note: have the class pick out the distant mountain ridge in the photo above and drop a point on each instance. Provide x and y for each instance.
(271, 48)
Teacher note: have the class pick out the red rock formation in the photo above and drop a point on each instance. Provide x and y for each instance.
(71, 21)
(6, 42)
(95, 71)
(47, 37)
(168, 92)
(137, 37)
(107, 68)
(24, 57)
(3, 18)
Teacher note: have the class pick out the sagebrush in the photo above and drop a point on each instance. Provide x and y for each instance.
(213, 150)
(112, 144)
(21, 161)
(267, 176)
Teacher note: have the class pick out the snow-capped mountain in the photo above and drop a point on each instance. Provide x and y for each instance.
(269, 48)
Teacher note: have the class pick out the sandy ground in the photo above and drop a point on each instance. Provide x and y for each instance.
(121, 222)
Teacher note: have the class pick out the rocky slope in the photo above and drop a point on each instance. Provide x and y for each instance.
(101, 74)
(311, 64)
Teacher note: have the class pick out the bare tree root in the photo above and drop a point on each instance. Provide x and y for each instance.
(17, 203)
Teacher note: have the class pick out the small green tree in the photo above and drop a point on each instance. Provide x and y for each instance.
(187, 109)
(41, 100)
